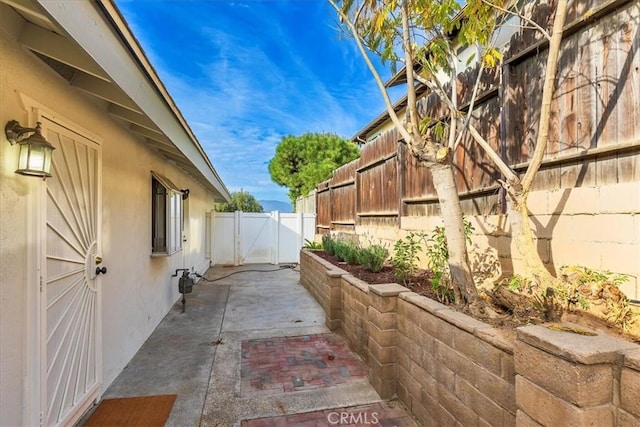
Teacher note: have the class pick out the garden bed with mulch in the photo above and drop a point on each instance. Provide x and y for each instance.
(421, 284)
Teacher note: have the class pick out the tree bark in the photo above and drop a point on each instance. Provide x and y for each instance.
(524, 237)
(464, 289)
(518, 190)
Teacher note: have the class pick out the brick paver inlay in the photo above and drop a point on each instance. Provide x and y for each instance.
(382, 414)
(287, 364)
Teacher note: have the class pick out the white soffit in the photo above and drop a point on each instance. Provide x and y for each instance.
(105, 60)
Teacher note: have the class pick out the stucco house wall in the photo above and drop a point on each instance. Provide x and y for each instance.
(138, 289)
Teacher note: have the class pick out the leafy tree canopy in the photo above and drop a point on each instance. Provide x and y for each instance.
(302, 162)
(240, 201)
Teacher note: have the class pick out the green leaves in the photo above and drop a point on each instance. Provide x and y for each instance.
(240, 201)
(406, 253)
(302, 162)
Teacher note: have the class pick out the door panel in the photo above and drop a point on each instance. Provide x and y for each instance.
(70, 289)
(256, 236)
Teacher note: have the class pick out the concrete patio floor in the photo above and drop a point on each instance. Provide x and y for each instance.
(252, 350)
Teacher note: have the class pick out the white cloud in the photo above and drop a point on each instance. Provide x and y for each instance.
(246, 75)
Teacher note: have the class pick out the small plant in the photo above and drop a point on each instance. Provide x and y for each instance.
(405, 258)
(373, 257)
(347, 251)
(329, 245)
(516, 283)
(312, 245)
(438, 254)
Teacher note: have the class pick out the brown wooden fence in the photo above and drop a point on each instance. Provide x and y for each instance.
(594, 136)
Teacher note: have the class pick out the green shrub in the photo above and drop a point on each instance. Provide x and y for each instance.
(373, 257)
(314, 246)
(405, 258)
(329, 245)
(348, 251)
(438, 255)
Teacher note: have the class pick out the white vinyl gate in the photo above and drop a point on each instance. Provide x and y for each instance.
(260, 238)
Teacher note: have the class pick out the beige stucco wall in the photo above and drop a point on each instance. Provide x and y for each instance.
(138, 290)
(596, 227)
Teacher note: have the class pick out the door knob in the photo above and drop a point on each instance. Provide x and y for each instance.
(102, 270)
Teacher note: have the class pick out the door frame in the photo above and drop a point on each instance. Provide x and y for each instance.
(35, 383)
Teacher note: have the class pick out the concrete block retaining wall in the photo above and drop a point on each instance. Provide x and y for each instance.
(449, 368)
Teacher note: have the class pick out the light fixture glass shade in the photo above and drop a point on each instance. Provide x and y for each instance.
(35, 156)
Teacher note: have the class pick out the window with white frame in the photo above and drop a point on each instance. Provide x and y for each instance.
(166, 216)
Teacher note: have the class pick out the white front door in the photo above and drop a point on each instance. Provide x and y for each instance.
(71, 295)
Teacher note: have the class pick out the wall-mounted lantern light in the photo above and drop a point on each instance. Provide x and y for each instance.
(35, 151)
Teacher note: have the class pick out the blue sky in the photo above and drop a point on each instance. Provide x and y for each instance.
(247, 73)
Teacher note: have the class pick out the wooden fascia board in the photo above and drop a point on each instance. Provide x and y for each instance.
(102, 40)
(59, 48)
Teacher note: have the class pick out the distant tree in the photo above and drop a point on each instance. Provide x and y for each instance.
(240, 201)
(302, 162)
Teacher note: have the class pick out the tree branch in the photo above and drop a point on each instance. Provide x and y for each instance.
(383, 90)
(547, 95)
(495, 157)
(520, 15)
(408, 55)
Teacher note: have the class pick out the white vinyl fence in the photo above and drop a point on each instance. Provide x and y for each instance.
(260, 238)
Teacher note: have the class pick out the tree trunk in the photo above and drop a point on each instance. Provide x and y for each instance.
(461, 278)
(518, 190)
(523, 236)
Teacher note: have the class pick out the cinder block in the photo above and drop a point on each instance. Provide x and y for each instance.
(445, 377)
(412, 386)
(501, 391)
(478, 351)
(410, 312)
(505, 246)
(457, 362)
(508, 369)
(384, 321)
(383, 304)
(423, 377)
(424, 416)
(621, 258)
(625, 419)
(537, 203)
(403, 358)
(382, 354)
(523, 420)
(631, 288)
(576, 253)
(333, 324)
(387, 371)
(578, 200)
(439, 329)
(630, 391)
(502, 339)
(403, 394)
(382, 338)
(462, 413)
(556, 200)
(413, 350)
(620, 198)
(386, 389)
(605, 228)
(578, 384)
(481, 404)
(550, 410)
